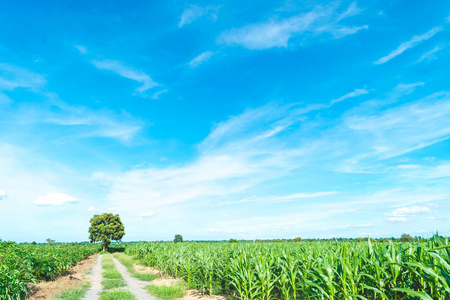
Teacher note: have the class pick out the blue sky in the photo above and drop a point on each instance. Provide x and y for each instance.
(218, 120)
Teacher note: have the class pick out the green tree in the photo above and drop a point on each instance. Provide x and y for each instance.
(178, 238)
(50, 241)
(297, 239)
(406, 238)
(106, 227)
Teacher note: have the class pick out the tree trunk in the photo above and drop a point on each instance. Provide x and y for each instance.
(104, 246)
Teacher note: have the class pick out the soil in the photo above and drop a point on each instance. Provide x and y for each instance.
(163, 281)
(195, 295)
(143, 269)
(47, 289)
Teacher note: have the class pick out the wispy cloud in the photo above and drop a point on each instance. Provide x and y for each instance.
(3, 194)
(55, 199)
(147, 215)
(430, 55)
(278, 32)
(195, 12)
(96, 124)
(82, 49)
(13, 77)
(409, 44)
(127, 72)
(403, 214)
(158, 93)
(281, 199)
(355, 93)
(197, 61)
(352, 226)
(267, 143)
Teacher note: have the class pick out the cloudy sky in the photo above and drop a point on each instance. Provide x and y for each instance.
(218, 120)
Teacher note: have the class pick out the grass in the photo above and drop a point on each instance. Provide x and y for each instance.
(128, 262)
(117, 295)
(174, 291)
(111, 274)
(74, 294)
(112, 278)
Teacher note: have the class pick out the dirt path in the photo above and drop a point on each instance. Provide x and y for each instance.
(96, 280)
(48, 289)
(134, 285)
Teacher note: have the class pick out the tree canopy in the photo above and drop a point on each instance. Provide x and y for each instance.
(178, 238)
(106, 227)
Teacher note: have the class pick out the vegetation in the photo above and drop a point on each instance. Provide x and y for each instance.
(117, 295)
(178, 238)
(74, 294)
(112, 278)
(106, 227)
(314, 270)
(28, 263)
(128, 263)
(170, 292)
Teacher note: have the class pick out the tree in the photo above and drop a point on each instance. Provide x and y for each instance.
(105, 228)
(406, 238)
(50, 241)
(178, 238)
(297, 239)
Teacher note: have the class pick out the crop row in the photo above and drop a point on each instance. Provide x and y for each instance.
(21, 265)
(332, 270)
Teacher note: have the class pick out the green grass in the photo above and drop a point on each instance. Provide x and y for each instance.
(113, 283)
(112, 278)
(74, 294)
(108, 263)
(128, 262)
(111, 274)
(175, 291)
(117, 295)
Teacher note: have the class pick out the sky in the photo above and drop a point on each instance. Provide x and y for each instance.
(224, 119)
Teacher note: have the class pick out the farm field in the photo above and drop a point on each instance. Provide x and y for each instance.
(21, 265)
(313, 270)
(245, 270)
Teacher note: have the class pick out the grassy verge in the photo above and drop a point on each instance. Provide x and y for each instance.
(128, 262)
(111, 277)
(117, 295)
(74, 294)
(171, 292)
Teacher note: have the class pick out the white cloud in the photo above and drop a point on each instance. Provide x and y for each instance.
(91, 123)
(13, 77)
(430, 55)
(402, 129)
(279, 199)
(127, 72)
(91, 208)
(200, 59)
(55, 199)
(403, 214)
(265, 144)
(82, 49)
(402, 211)
(3, 194)
(147, 215)
(277, 33)
(352, 226)
(195, 12)
(157, 94)
(409, 44)
(355, 93)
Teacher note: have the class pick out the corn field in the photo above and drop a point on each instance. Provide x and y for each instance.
(21, 265)
(313, 270)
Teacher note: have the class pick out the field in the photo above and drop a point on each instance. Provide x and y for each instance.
(250, 270)
(313, 270)
(24, 264)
